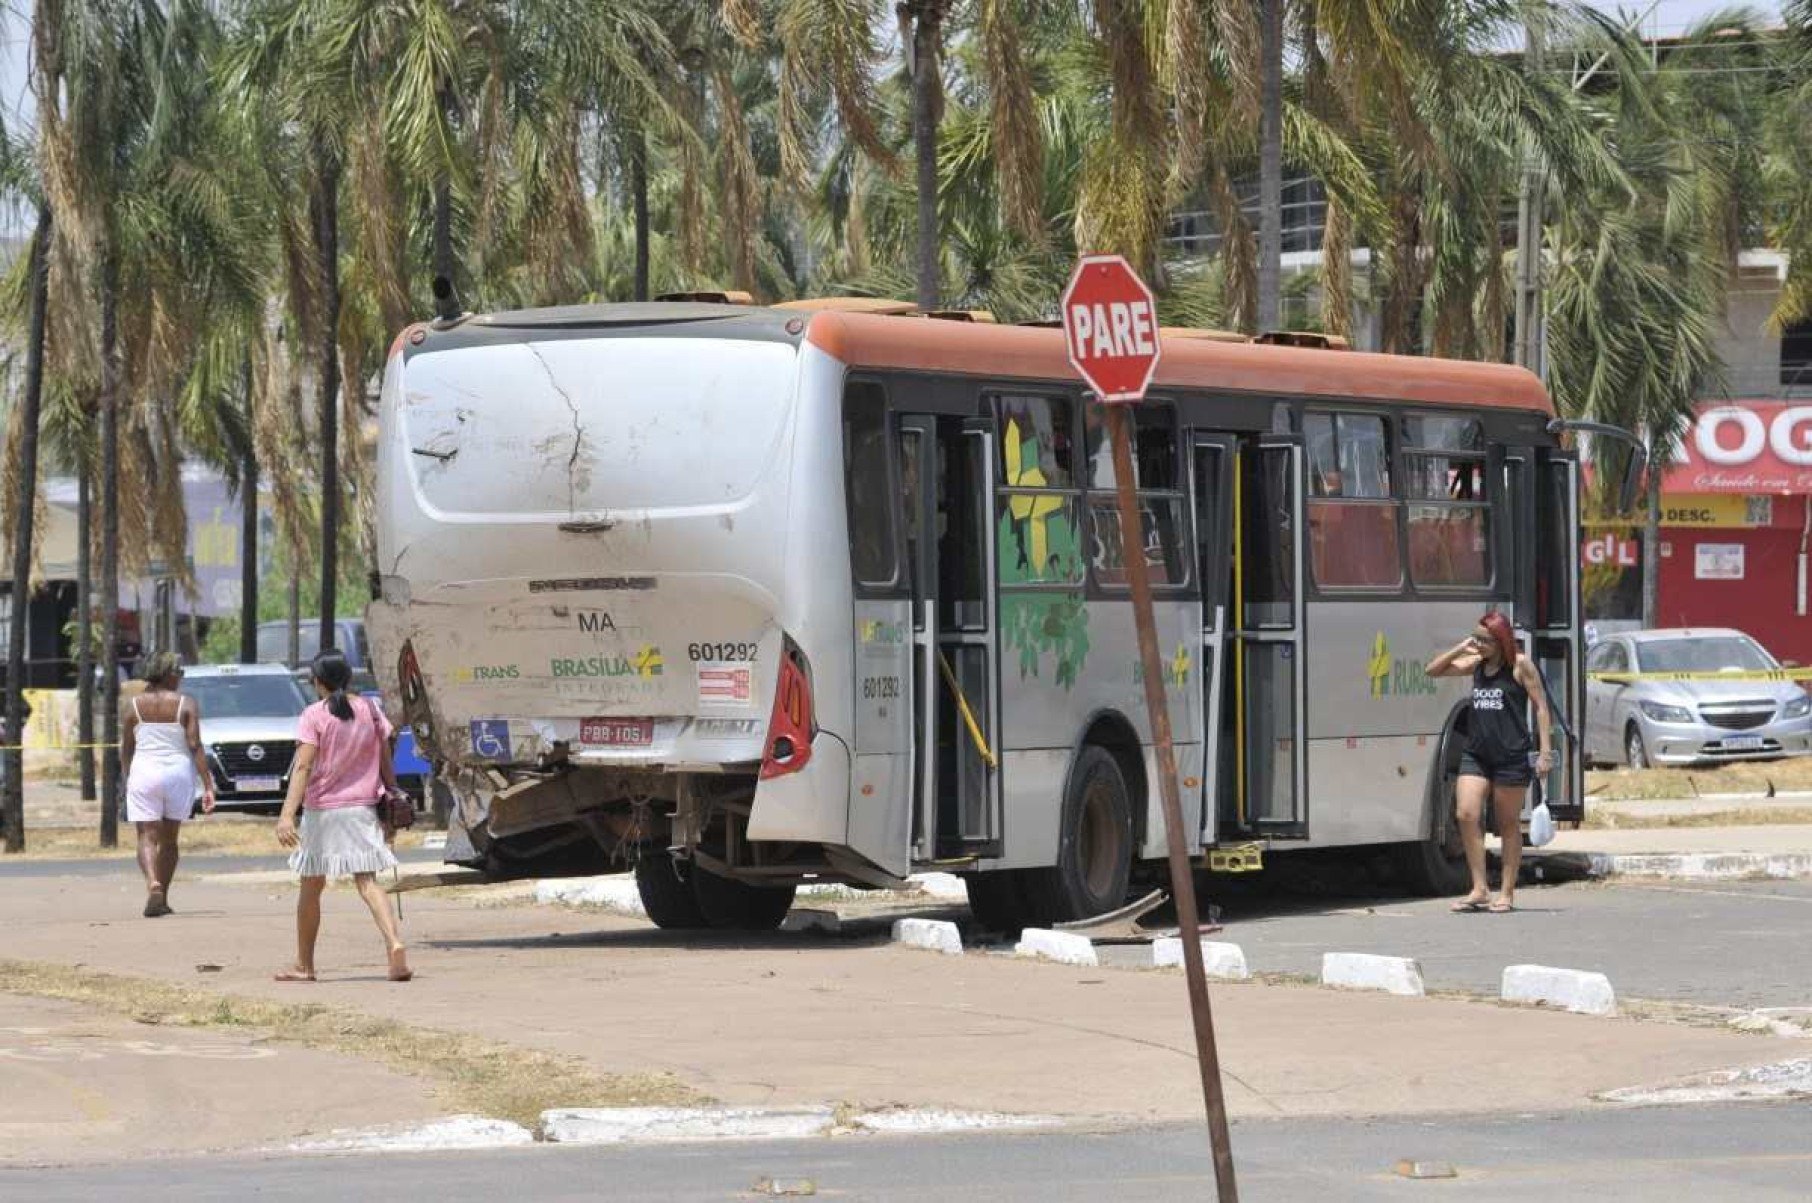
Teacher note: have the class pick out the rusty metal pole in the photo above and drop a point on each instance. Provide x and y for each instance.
(1182, 879)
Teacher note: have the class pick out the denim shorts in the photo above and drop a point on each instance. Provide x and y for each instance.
(1515, 771)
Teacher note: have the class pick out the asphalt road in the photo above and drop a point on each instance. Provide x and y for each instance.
(1721, 944)
(1753, 1153)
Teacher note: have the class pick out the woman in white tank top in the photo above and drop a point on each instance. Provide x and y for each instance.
(160, 747)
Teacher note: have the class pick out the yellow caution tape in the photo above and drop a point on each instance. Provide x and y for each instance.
(1751, 674)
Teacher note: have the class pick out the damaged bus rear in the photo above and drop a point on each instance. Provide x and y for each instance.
(601, 533)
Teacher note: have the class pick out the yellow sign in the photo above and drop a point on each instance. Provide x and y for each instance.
(1721, 510)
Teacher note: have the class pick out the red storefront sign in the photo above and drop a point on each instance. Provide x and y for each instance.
(1745, 447)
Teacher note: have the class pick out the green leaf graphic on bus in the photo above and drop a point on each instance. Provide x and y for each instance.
(1039, 624)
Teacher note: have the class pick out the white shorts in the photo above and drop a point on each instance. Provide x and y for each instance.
(167, 796)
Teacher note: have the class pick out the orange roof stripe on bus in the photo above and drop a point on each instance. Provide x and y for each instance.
(1037, 353)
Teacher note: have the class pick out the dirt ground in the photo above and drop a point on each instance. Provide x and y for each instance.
(810, 1018)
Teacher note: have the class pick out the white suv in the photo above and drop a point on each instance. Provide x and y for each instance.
(248, 726)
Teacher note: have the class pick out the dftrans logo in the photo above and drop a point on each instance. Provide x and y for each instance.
(648, 662)
(1395, 677)
(873, 630)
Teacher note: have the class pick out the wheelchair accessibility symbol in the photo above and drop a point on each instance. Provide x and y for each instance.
(491, 738)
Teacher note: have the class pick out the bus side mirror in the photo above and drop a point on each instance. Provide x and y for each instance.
(1632, 480)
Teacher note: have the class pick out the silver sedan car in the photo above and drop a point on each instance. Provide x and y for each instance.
(1658, 721)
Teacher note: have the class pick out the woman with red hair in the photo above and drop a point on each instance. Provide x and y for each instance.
(1496, 760)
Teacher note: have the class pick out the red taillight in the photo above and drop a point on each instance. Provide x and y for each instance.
(789, 746)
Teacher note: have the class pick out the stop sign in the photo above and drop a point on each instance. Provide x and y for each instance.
(1110, 322)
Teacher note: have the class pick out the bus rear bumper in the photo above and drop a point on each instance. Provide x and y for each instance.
(808, 806)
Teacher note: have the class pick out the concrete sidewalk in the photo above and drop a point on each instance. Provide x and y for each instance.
(804, 1018)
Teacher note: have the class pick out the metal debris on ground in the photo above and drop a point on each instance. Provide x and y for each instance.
(1425, 1169)
(785, 1187)
(1122, 924)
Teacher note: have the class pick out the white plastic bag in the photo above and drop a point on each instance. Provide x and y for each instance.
(1541, 827)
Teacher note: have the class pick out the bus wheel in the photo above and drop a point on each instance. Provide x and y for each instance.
(1094, 853)
(1436, 865)
(666, 888)
(738, 906)
(997, 902)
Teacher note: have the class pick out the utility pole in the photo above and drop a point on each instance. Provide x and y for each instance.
(1529, 309)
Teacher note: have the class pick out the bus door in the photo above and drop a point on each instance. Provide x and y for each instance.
(1211, 463)
(1555, 622)
(955, 706)
(1541, 500)
(1270, 677)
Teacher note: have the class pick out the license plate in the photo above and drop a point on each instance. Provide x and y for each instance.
(616, 732)
(1743, 743)
(258, 785)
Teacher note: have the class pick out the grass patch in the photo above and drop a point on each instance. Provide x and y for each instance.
(224, 835)
(1787, 776)
(1605, 819)
(474, 1074)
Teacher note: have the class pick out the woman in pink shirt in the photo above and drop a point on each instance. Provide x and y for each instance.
(337, 780)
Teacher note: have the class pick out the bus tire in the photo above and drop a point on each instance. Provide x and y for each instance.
(730, 905)
(996, 901)
(1095, 845)
(666, 889)
(1435, 866)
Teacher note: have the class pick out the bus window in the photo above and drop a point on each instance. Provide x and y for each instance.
(1352, 519)
(873, 553)
(1267, 549)
(1038, 504)
(1448, 519)
(962, 541)
(1162, 516)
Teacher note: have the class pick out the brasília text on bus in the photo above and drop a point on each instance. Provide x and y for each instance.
(741, 598)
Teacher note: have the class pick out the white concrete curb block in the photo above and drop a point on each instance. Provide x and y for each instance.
(616, 892)
(1224, 961)
(1702, 866)
(672, 1125)
(1783, 1079)
(933, 935)
(1364, 971)
(1570, 989)
(450, 1132)
(1064, 947)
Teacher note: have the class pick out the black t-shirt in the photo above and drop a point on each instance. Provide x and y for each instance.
(1499, 731)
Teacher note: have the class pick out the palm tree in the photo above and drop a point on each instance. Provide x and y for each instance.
(23, 507)
(1270, 165)
(1642, 270)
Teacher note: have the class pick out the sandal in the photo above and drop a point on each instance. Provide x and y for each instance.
(1501, 907)
(292, 975)
(155, 906)
(1469, 906)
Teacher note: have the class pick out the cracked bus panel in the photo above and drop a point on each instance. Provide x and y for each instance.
(586, 612)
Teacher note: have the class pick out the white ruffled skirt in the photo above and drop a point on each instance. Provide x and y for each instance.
(341, 842)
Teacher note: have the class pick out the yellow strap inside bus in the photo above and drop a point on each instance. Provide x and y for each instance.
(962, 706)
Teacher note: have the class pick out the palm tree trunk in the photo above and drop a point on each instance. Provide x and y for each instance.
(85, 625)
(23, 513)
(327, 247)
(638, 201)
(927, 27)
(1270, 166)
(248, 531)
(443, 229)
(110, 551)
(295, 608)
(1651, 550)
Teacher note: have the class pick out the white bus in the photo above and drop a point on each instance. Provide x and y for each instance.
(744, 597)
